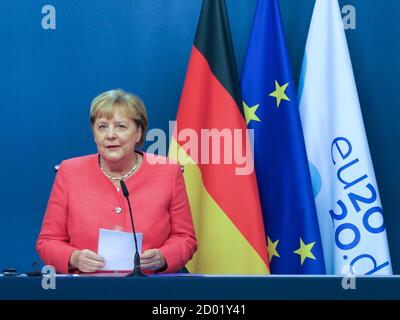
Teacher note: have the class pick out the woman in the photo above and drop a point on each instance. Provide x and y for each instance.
(86, 196)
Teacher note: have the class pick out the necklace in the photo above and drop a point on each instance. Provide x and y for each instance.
(126, 175)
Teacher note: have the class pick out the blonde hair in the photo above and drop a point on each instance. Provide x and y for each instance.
(104, 106)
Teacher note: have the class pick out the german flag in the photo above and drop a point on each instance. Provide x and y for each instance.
(209, 135)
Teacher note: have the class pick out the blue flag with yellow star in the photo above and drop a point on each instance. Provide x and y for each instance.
(271, 109)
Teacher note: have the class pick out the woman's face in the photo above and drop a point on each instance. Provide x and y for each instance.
(116, 137)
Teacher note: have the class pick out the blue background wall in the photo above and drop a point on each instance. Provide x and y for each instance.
(49, 77)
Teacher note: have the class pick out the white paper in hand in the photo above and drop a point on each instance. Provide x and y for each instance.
(118, 249)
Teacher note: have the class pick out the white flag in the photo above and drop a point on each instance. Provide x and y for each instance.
(346, 194)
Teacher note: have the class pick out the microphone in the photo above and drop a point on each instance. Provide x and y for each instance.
(136, 269)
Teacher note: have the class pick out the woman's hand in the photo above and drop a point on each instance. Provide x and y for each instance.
(86, 260)
(152, 259)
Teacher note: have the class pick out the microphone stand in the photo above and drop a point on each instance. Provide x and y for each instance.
(136, 269)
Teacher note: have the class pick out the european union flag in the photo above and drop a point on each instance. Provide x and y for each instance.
(271, 109)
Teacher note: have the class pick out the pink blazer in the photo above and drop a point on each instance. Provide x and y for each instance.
(83, 200)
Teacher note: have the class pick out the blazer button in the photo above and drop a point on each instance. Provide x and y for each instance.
(118, 210)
